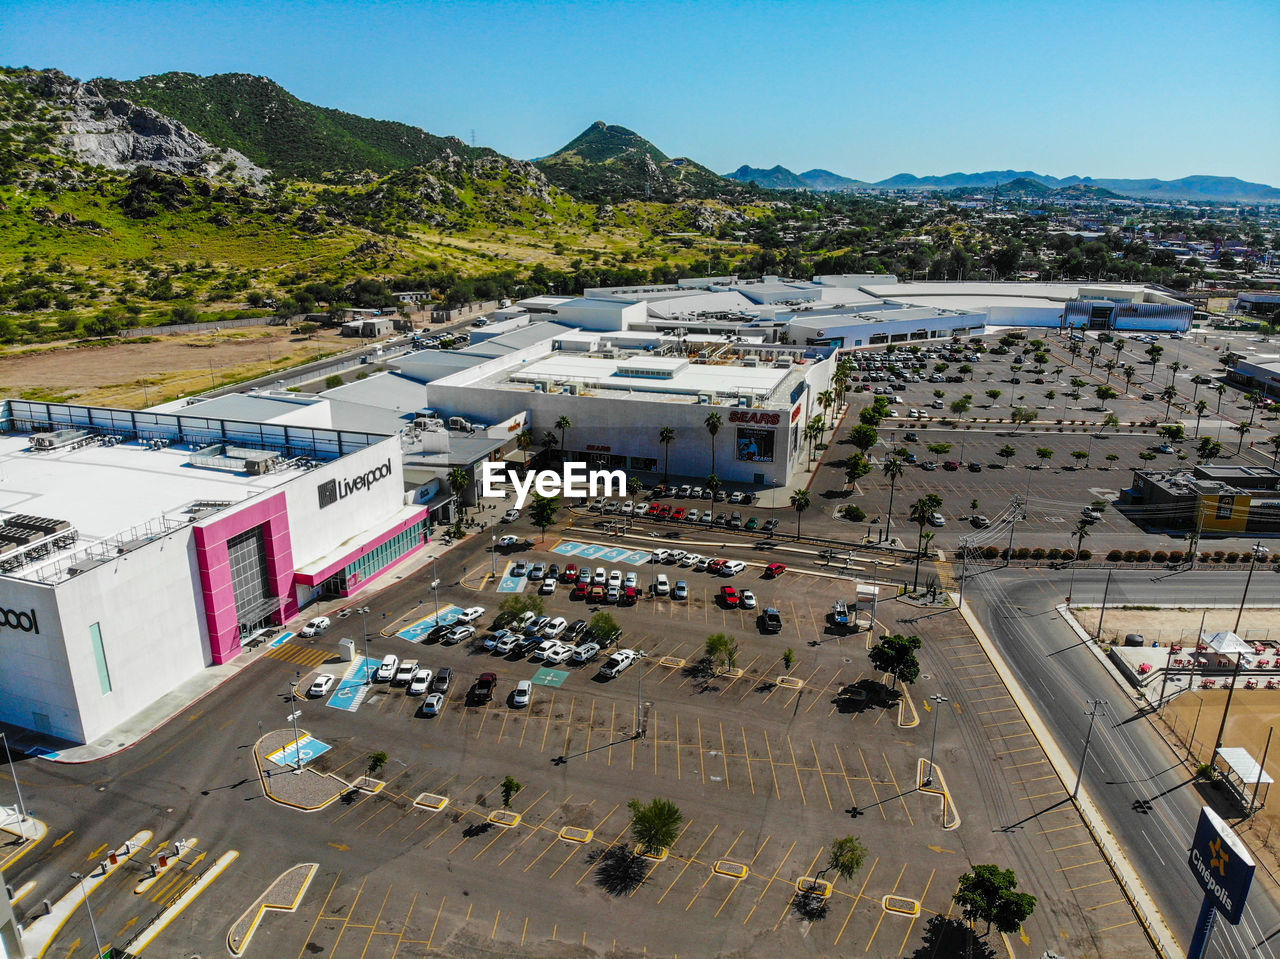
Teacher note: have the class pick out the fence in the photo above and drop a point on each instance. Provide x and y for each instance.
(210, 327)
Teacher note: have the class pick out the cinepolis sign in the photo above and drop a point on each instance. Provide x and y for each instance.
(1221, 864)
(23, 620)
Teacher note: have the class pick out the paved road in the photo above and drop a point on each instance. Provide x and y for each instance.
(1146, 793)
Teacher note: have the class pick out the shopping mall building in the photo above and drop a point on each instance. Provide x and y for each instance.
(139, 548)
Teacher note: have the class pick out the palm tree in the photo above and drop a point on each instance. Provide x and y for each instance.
(524, 439)
(1128, 373)
(1082, 530)
(1254, 399)
(712, 423)
(563, 424)
(1110, 367)
(1093, 356)
(799, 502)
(894, 469)
(549, 442)
(1244, 429)
(1168, 394)
(826, 399)
(1201, 406)
(459, 479)
(665, 436)
(713, 484)
(1274, 442)
(1220, 389)
(921, 509)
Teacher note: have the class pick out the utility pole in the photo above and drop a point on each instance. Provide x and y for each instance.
(1013, 524)
(365, 636)
(1259, 551)
(293, 715)
(1093, 715)
(22, 808)
(1105, 591)
(89, 909)
(938, 701)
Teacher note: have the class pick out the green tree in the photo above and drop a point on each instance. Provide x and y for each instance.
(1274, 443)
(1220, 389)
(989, 894)
(376, 762)
(1111, 420)
(1022, 415)
(510, 786)
(1209, 449)
(921, 509)
(788, 658)
(994, 395)
(562, 424)
(1044, 454)
(844, 858)
(516, 605)
(605, 629)
(655, 825)
(1201, 407)
(665, 436)
(896, 655)
(1168, 394)
(1128, 373)
(332, 382)
(939, 450)
(893, 470)
(712, 424)
(1173, 432)
(1081, 531)
(1105, 392)
(459, 480)
(1007, 452)
(713, 483)
(543, 512)
(961, 406)
(1244, 429)
(722, 650)
(549, 442)
(863, 437)
(800, 502)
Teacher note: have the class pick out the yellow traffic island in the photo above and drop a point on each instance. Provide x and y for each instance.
(671, 662)
(504, 818)
(905, 706)
(901, 906)
(733, 870)
(736, 673)
(367, 784)
(658, 855)
(790, 682)
(431, 802)
(950, 814)
(577, 834)
(283, 895)
(27, 833)
(165, 861)
(812, 886)
(173, 908)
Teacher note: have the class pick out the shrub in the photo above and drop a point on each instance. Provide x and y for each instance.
(1037, 553)
(1215, 557)
(1022, 552)
(1144, 556)
(992, 552)
(1054, 553)
(1232, 556)
(1218, 555)
(1114, 556)
(1129, 555)
(1068, 554)
(1275, 558)
(853, 512)
(1085, 555)
(1159, 556)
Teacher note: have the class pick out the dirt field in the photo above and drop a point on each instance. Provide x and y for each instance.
(131, 375)
(1182, 625)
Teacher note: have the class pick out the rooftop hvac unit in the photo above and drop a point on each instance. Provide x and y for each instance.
(571, 389)
(539, 386)
(704, 399)
(750, 361)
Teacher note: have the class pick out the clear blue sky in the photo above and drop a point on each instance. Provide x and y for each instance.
(1119, 88)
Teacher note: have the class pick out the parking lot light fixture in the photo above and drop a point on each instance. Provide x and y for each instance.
(89, 909)
(938, 701)
(365, 636)
(22, 808)
(293, 715)
(493, 555)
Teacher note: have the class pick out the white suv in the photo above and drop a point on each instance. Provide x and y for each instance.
(618, 662)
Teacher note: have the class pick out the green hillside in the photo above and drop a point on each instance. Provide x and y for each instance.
(276, 130)
(611, 164)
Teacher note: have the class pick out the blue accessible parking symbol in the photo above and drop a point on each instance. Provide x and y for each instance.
(302, 751)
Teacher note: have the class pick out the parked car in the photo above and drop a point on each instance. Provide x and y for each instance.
(519, 569)
(660, 555)
(662, 585)
(980, 521)
(522, 694)
(771, 621)
(508, 643)
(405, 672)
(729, 596)
(459, 634)
(505, 541)
(733, 567)
(1090, 515)
(420, 683)
(470, 614)
(559, 654)
(599, 577)
(768, 526)
(680, 590)
(443, 680)
(388, 668)
(538, 572)
(585, 652)
(510, 516)
(774, 570)
(570, 573)
(485, 686)
(316, 626)
(620, 661)
(548, 587)
(323, 683)
(432, 705)
(747, 599)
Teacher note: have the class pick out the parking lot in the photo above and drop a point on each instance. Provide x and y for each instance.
(767, 766)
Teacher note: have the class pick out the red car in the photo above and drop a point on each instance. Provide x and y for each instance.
(678, 513)
(597, 594)
(775, 569)
(579, 591)
(730, 596)
(950, 466)
(628, 597)
(665, 511)
(570, 573)
(715, 566)
(653, 508)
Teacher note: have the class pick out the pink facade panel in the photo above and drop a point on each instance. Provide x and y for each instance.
(215, 569)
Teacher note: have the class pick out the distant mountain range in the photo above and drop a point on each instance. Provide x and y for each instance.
(1218, 188)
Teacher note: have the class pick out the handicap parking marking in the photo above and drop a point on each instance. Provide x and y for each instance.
(279, 641)
(550, 677)
(592, 551)
(354, 686)
(638, 558)
(566, 549)
(301, 751)
(613, 555)
(416, 632)
(511, 584)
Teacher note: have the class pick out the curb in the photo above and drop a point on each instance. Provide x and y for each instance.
(1134, 890)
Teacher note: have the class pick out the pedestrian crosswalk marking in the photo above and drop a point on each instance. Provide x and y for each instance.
(301, 655)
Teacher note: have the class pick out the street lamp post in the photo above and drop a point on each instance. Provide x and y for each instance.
(493, 556)
(365, 636)
(88, 908)
(1084, 756)
(22, 808)
(1259, 551)
(293, 715)
(938, 701)
(435, 592)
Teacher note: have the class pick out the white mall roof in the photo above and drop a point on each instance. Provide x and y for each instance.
(693, 379)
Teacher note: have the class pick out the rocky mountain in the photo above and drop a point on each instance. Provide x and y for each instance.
(268, 124)
(608, 164)
(780, 178)
(826, 180)
(101, 129)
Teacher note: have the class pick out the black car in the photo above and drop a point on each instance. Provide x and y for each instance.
(553, 571)
(768, 526)
(771, 621)
(975, 467)
(575, 629)
(438, 631)
(483, 689)
(911, 438)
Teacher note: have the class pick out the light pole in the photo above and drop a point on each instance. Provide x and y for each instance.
(88, 908)
(1093, 715)
(493, 555)
(293, 715)
(938, 701)
(435, 592)
(22, 808)
(1259, 552)
(365, 636)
